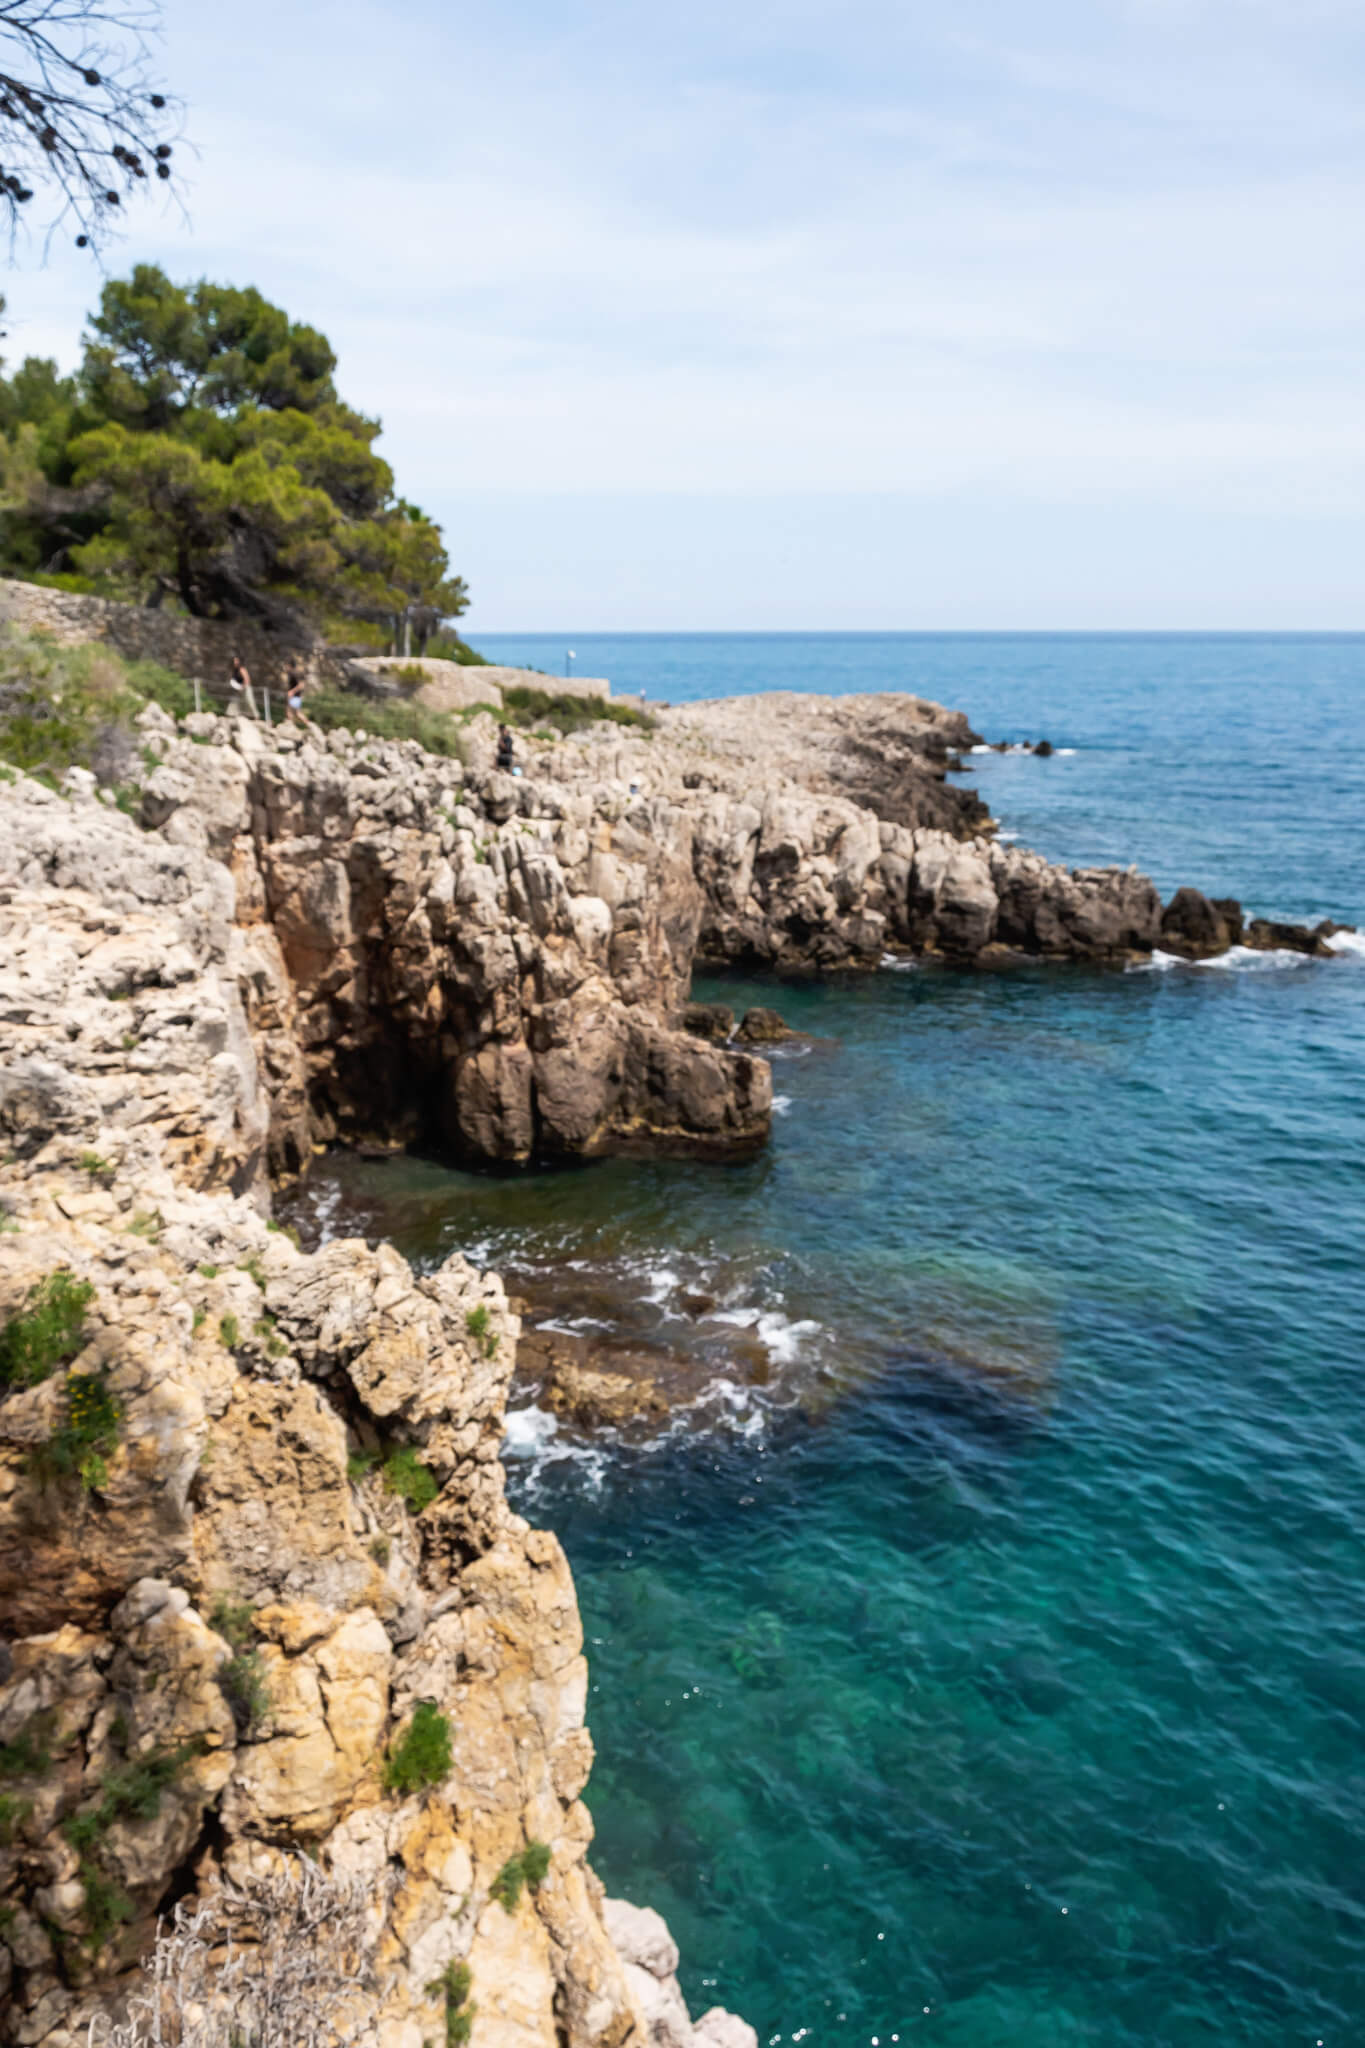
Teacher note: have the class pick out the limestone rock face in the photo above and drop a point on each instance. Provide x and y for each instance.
(220, 1635)
(119, 989)
(650, 1954)
(484, 960)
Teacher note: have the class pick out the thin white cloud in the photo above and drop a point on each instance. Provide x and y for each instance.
(573, 249)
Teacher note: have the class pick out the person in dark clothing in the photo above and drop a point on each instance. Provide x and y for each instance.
(506, 751)
(293, 696)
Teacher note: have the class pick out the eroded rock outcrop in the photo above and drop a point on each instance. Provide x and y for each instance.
(252, 1529)
(425, 949)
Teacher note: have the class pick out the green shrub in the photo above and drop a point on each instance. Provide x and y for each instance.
(410, 1479)
(528, 1869)
(13, 1813)
(48, 1332)
(146, 1224)
(452, 1988)
(107, 1905)
(210, 1272)
(229, 1331)
(86, 1437)
(29, 1755)
(99, 1169)
(75, 706)
(265, 1331)
(359, 1464)
(477, 1325)
(131, 1791)
(388, 719)
(255, 1269)
(242, 1678)
(422, 1755)
(523, 705)
(381, 1550)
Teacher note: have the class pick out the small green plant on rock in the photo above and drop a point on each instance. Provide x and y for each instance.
(47, 1332)
(146, 1224)
(13, 1813)
(410, 1479)
(421, 1756)
(381, 1550)
(30, 1753)
(528, 1869)
(86, 1437)
(477, 1326)
(242, 1678)
(452, 1988)
(256, 1270)
(229, 1331)
(265, 1332)
(96, 1167)
(131, 1792)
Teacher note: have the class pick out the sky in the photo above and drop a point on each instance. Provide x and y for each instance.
(878, 314)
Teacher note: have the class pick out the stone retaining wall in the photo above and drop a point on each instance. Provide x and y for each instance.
(193, 647)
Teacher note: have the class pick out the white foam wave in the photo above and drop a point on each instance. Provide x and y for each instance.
(1348, 942)
(527, 1431)
(662, 1281)
(894, 964)
(1160, 963)
(1250, 960)
(982, 748)
(781, 1105)
(1237, 960)
(1064, 750)
(782, 1337)
(532, 1437)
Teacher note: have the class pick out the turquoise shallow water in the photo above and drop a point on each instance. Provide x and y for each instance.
(1010, 1687)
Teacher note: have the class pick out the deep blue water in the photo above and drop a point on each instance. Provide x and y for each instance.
(1007, 1688)
(1235, 762)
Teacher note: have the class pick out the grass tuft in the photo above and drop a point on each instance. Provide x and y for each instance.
(49, 1331)
(413, 1482)
(529, 1869)
(422, 1755)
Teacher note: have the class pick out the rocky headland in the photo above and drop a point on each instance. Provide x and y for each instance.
(262, 1592)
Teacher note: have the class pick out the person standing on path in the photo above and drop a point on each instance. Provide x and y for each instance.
(293, 696)
(239, 683)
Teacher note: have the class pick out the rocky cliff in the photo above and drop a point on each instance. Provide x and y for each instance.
(430, 950)
(262, 1592)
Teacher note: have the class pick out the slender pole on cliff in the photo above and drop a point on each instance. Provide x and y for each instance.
(196, 696)
(267, 704)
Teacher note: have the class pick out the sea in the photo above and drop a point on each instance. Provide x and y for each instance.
(982, 1663)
